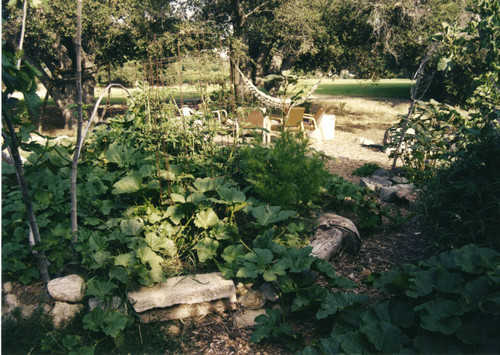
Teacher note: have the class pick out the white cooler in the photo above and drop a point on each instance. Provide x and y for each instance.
(326, 129)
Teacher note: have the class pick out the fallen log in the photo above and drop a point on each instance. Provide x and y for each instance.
(333, 234)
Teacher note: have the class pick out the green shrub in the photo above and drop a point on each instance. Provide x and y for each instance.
(351, 199)
(366, 169)
(289, 174)
(460, 205)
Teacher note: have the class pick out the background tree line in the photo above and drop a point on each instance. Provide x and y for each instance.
(369, 38)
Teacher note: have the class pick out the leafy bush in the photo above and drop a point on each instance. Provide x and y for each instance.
(449, 303)
(433, 134)
(441, 131)
(460, 205)
(289, 174)
(127, 74)
(343, 195)
(366, 169)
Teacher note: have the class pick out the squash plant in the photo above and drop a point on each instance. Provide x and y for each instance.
(447, 303)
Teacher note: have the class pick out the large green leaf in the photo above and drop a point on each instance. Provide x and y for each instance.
(267, 215)
(298, 260)
(422, 283)
(448, 282)
(100, 259)
(149, 257)
(206, 219)
(393, 312)
(114, 323)
(95, 186)
(231, 195)
(233, 253)
(161, 244)
(385, 337)
(339, 301)
(441, 308)
(175, 214)
(94, 320)
(127, 185)
(132, 227)
(354, 343)
(203, 185)
(101, 289)
(440, 315)
(207, 249)
(120, 154)
(196, 198)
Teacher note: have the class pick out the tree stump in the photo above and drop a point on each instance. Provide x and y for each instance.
(333, 234)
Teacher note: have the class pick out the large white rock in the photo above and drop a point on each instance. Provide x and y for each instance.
(63, 313)
(183, 290)
(70, 288)
(247, 318)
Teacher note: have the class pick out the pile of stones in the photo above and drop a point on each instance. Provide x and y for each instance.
(391, 187)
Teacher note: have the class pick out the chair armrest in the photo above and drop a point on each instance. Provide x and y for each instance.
(276, 118)
(311, 118)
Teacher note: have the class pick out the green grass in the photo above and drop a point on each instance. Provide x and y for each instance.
(384, 88)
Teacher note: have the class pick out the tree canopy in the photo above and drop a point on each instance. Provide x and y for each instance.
(369, 38)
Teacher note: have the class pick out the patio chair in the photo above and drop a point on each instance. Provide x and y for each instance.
(295, 121)
(253, 121)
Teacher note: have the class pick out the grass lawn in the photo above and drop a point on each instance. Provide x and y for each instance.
(383, 88)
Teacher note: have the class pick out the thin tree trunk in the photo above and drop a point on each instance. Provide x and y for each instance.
(34, 232)
(74, 166)
(23, 28)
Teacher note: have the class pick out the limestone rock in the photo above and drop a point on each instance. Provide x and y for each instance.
(253, 299)
(172, 330)
(63, 313)
(381, 174)
(375, 183)
(399, 180)
(333, 233)
(7, 287)
(387, 193)
(10, 303)
(70, 288)
(27, 310)
(188, 310)
(247, 318)
(406, 195)
(182, 290)
(268, 291)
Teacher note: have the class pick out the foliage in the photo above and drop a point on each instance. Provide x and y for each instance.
(353, 199)
(453, 151)
(284, 174)
(448, 302)
(366, 169)
(21, 335)
(460, 204)
(443, 132)
(433, 134)
(291, 273)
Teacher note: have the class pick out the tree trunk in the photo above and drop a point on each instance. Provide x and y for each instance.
(62, 84)
(76, 154)
(34, 236)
